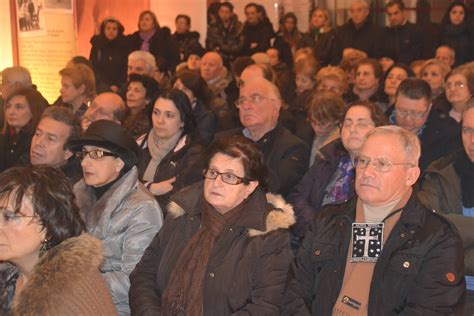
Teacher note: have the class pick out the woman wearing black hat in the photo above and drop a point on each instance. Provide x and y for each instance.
(116, 208)
(171, 155)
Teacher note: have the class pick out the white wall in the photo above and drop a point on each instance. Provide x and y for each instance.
(167, 10)
(6, 49)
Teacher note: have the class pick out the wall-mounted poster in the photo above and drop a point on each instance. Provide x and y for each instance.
(46, 41)
(30, 17)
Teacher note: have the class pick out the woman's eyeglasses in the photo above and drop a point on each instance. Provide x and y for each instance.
(8, 217)
(94, 154)
(226, 177)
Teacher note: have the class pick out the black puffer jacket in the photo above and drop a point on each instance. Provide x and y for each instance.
(226, 41)
(461, 39)
(187, 42)
(324, 47)
(419, 272)
(260, 33)
(247, 267)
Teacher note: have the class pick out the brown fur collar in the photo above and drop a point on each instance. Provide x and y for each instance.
(282, 216)
(62, 265)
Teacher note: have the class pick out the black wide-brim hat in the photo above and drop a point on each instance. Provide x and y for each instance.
(112, 136)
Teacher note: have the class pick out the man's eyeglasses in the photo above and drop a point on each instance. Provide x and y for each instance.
(413, 114)
(380, 164)
(226, 177)
(457, 85)
(8, 217)
(94, 154)
(254, 99)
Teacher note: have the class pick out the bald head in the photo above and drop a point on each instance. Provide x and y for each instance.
(107, 106)
(211, 66)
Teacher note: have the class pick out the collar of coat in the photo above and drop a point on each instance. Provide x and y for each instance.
(70, 262)
(413, 214)
(264, 213)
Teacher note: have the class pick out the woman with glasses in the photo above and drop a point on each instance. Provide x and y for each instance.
(47, 265)
(170, 156)
(459, 89)
(224, 248)
(325, 112)
(330, 180)
(116, 207)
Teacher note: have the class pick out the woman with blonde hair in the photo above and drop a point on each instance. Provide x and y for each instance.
(321, 37)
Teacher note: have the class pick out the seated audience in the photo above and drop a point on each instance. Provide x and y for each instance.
(105, 106)
(218, 231)
(284, 76)
(446, 54)
(47, 265)
(195, 88)
(142, 92)
(394, 76)
(457, 33)
(108, 54)
(448, 188)
(434, 72)
(332, 78)
(170, 156)
(12, 78)
(321, 37)
(186, 39)
(368, 84)
(285, 155)
(330, 179)
(382, 252)
(51, 143)
(350, 61)
(77, 88)
(459, 89)
(23, 110)
(224, 34)
(154, 39)
(257, 31)
(325, 113)
(141, 63)
(416, 65)
(116, 208)
(438, 134)
(288, 39)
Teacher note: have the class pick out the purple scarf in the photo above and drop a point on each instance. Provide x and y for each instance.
(146, 40)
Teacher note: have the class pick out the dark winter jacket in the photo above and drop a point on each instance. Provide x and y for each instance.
(226, 41)
(419, 272)
(206, 122)
(307, 197)
(187, 42)
(162, 46)
(285, 155)
(260, 33)
(247, 267)
(367, 38)
(109, 59)
(403, 44)
(440, 190)
(185, 162)
(15, 149)
(461, 39)
(324, 47)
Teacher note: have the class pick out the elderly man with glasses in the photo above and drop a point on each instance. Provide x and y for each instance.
(285, 155)
(439, 134)
(381, 253)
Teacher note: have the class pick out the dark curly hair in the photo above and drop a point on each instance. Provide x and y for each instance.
(51, 196)
(238, 146)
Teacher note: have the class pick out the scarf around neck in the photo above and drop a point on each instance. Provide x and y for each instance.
(365, 95)
(158, 149)
(183, 294)
(146, 37)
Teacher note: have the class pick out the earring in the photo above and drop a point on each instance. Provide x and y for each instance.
(44, 246)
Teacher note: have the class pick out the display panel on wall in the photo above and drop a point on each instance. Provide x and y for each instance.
(46, 40)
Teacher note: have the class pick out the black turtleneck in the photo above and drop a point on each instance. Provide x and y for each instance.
(100, 191)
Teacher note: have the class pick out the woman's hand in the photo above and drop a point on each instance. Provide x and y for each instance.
(162, 187)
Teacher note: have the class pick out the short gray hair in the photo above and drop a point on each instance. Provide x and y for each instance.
(148, 58)
(409, 141)
(365, 3)
(19, 75)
